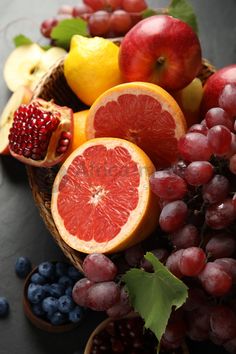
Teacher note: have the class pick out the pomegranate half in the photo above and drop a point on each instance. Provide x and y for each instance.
(41, 133)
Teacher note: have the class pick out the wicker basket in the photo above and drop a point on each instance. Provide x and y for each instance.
(54, 86)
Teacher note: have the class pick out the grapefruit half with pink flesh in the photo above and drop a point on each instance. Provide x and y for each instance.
(101, 197)
(142, 113)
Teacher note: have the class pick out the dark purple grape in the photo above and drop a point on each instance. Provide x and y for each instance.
(216, 190)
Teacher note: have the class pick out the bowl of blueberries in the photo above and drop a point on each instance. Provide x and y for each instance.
(48, 301)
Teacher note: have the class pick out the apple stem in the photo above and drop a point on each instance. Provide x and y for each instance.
(161, 61)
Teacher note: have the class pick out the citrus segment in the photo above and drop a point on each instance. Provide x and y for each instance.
(79, 137)
(101, 200)
(142, 113)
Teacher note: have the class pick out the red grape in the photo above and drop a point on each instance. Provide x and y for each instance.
(80, 291)
(187, 236)
(198, 173)
(198, 128)
(173, 216)
(227, 99)
(172, 263)
(194, 147)
(161, 253)
(113, 4)
(229, 266)
(230, 346)
(192, 261)
(65, 10)
(95, 4)
(47, 26)
(232, 164)
(223, 322)
(120, 22)
(220, 246)
(167, 185)
(99, 23)
(134, 254)
(219, 139)
(97, 267)
(215, 280)
(216, 190)
(102, 296)
(134, 5)
(220, 215)
(218, 116)
(81, 10)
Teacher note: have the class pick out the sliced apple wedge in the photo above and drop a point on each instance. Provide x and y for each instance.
(28, 63)
(22, 95)
(20, 66)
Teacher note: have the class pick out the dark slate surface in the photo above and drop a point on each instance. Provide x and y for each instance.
(22, 231)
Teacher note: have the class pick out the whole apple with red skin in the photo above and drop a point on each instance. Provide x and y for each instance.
(163, 50)
(215, 85)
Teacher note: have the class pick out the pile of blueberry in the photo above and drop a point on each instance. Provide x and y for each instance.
(50, 293)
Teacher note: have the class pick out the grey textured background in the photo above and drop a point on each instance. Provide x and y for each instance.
(22, 231)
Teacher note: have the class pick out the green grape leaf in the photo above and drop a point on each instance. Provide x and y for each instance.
(184, 11)
(153, 295)
(63, 32)
(149, 12)
(21, 39)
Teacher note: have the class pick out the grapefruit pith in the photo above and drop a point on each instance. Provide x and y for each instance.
(142, 113)
(101, 198)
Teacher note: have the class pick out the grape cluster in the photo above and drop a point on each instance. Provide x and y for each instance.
(198, 216)
(105, 18)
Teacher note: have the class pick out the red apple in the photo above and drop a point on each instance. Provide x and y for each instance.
(163, 50)
(215, 85)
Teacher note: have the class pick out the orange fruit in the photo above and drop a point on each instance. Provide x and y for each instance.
(101, 197)
(140, 112)
(79, 136)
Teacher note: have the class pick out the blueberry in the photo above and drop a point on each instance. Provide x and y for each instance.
(68, 291)
(47, 269)
(74, 274)
(50, 305)
(4, 307)
(76, 314)
(58, 318)
(38, 279)
(65, 281)
(61, 269)
(65, 304)
(47, 289)
(35, 293)
(38, 310)
(56, 290)
(23, 267)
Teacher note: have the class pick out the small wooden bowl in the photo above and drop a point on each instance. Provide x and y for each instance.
(102, 326)
(37, 321)
(54, 86)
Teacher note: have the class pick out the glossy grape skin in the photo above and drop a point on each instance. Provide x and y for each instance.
(187, 236)
(194, 147)
(80, 291)
(120, 22)
(172, 263)
(81, 9)
(227, 99)
(218, 116)
(216, 190)
(99, 23)
(219, 140)
(198, 128)
(198, 323)
(192, 261)
(95, 4)
(167, 185)
(102, 296)
(229, 266)
(232, 164)
(198, 173)
(219, 216)
(134, 5)
(65, 10)
(173, 216)
(215, 280)
(98, 268)
(122, 307)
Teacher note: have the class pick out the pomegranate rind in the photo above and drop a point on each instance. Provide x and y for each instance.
(161, 147)
(141, 221)
(22, 95)
(65, 125)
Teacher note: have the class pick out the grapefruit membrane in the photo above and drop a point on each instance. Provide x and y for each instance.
(101, 197)
(142, 113)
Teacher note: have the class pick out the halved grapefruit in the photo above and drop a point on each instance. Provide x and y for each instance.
(142, 113)
(101, 197)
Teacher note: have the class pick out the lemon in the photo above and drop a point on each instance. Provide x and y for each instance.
(91, 67)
